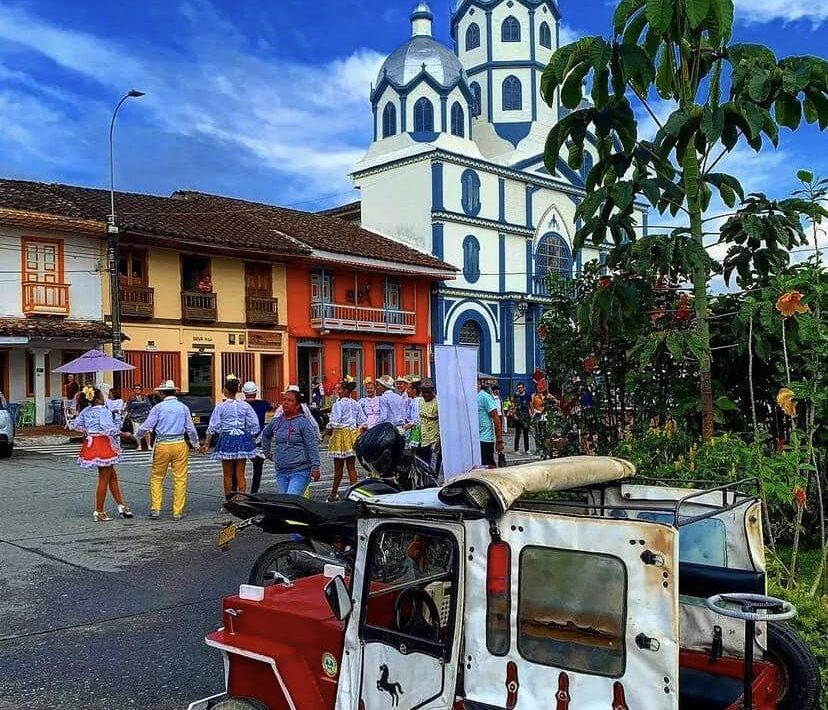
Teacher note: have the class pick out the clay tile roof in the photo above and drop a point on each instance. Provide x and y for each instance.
(58, 328)
(212, 220)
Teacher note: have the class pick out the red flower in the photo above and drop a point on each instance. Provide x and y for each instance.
(590, 364)
(542, 331)
(780, 443)
(683, 312)
(604, 281)
(657, 315)
(800, 497)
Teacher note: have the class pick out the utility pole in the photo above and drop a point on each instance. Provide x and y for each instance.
(112, 238)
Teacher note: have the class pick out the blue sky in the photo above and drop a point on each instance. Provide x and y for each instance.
(266, 100)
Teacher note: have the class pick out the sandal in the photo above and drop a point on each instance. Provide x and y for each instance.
(100, 517)
(124, 511)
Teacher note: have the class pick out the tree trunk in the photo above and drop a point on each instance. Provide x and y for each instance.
(700, 279)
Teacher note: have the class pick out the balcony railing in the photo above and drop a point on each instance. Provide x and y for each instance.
(137, 301)
(45, 298)
(197, 306)
(331, 316)
(262, 310)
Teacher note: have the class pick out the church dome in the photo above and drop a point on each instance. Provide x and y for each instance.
(406, 63)
(420, 52)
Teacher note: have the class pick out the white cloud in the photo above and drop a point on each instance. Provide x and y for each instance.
(764, 11)
(308, 122)
(568, 34)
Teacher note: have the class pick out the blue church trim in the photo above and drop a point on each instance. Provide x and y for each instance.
(512, 132)
(501, 199)
(436, 185)
(461, 8)
(532, 56)
(529, 334)
(443, 113)
(375, 123)
(403, 114)
(438, 313)
(489, 84)
(494, 310)
(424, 136)
(485, 336)
(501, 262)
(437, 232)
(530, 206)
(529, 264)
(505, 64)
(645, 219)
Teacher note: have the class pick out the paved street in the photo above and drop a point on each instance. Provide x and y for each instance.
(109, 615)
(103, 616)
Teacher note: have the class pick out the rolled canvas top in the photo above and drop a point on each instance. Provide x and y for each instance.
(495, 490)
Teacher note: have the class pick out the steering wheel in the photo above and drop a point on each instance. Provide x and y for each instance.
(416, 623)
(753, 607)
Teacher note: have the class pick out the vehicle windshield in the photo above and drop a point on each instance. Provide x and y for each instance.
(197, 403)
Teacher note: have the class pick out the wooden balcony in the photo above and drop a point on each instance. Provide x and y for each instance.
(262, 310)
(199, 307)
(137, 301)
(45, 299)
(332, 316)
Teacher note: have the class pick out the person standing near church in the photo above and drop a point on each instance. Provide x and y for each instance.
(522, 416)
(172, 423)
(392, 405)
(491, 434)
(250, 390)
(370, 405)
(346, 418)
(429, 449)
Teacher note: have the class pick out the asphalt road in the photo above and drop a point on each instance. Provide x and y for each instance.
(103, 616)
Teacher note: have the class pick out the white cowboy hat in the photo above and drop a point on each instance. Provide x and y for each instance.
(167, 386)
(293, 388)
(249, 388)
(386, 381)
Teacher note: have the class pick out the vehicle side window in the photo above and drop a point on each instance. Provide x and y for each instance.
(572, 610)
(703, 542)
(410, 587)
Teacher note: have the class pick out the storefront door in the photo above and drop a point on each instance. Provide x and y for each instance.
(310, 367)
(352, 364)
(272, 387)
(200, 373)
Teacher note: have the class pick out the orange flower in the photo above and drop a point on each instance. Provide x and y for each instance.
(800, 497)
(787, 403)
(790, 303)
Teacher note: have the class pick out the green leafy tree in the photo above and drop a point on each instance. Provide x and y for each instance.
(681, 51)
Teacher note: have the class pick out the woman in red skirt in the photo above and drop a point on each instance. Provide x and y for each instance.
(100, 450)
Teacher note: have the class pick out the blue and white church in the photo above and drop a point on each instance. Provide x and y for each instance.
(456, 169)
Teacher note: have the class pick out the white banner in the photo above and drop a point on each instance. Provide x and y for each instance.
(455, 369)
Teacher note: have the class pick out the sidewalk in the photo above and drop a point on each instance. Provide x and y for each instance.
(44, 435)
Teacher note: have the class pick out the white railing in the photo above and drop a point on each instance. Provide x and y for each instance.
(333, 316)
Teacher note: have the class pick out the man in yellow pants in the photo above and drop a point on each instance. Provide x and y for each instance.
(172, 422)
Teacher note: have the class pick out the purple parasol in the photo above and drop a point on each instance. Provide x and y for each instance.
(93, 361)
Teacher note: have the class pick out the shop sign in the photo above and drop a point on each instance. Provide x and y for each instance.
(264, 340)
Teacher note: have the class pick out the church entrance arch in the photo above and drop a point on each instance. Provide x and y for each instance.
(471, 329)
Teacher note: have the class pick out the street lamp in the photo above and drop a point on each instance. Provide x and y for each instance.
(112, 236)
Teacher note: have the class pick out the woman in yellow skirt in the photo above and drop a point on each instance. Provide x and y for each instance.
(346, 418)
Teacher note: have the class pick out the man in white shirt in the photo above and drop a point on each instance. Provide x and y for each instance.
(392, 405)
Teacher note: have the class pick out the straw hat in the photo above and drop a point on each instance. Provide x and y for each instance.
(386, 381)
(167, 386)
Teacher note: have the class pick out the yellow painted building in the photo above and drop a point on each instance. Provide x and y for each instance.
(197, 317)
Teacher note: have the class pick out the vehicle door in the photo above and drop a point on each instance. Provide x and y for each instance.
(572, 613)
(403, 637)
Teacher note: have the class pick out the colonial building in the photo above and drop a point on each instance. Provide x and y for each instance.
(456, 169)
(210, 286)
(50, 301)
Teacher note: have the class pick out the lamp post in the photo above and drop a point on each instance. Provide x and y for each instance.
(112, 237)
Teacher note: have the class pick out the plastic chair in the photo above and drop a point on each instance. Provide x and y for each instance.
(26, 416)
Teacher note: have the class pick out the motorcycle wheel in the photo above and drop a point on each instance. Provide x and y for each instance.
(239, 704)
(287, 558)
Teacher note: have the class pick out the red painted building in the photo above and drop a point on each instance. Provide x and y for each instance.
(366, 318)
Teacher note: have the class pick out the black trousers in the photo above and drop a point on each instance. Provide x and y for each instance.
(521, 427)
(258, 467)
(487, 454)
(425, 453)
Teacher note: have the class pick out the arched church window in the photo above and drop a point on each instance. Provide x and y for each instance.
(389, 120)
(458, 120)
(587, 166)
(477, 103)
(545, 35)
(472, 36)
(512, 94)
(423, 116)
(552, 256)
(470, 334)
(470, 188)
(510, 30)
(471, 259)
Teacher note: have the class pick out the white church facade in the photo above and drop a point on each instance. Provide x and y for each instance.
(456, 170)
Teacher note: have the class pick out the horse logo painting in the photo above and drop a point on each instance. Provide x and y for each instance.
(393, 689)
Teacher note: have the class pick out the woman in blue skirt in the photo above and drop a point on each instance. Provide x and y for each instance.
(235, 424)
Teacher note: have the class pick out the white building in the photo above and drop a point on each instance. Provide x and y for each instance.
(456, 169)
(50, 302)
